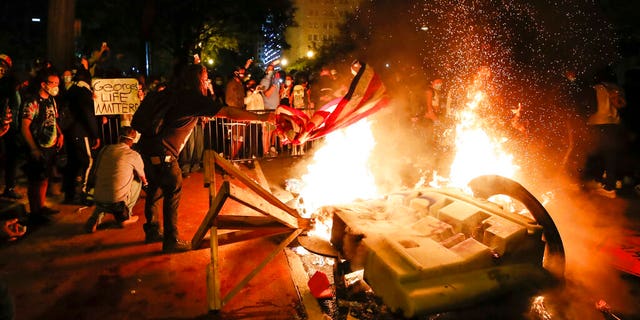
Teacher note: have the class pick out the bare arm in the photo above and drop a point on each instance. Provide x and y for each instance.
(243, 115)
(26, 133)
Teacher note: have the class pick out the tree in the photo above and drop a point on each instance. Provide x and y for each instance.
(224, 31)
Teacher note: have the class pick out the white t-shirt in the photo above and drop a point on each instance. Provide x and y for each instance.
(115, 172)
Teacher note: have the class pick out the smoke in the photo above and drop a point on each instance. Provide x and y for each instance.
(525, 48)
(588, 225)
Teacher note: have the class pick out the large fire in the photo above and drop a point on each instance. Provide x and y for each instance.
(477, 153)
(340, 173)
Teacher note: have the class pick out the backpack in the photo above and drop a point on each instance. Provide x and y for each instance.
(149, 117)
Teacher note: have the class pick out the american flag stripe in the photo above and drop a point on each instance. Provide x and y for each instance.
(366, 96)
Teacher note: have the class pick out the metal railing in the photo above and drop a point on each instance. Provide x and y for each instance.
(247, 140)
(234, 140)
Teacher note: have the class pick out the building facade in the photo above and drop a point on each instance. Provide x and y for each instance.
(318, 23)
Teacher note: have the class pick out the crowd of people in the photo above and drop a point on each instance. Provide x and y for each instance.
(50, 133)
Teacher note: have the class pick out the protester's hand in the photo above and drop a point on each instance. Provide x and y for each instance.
(60, 141)
(96, 145)
(4, 129)
(8, 116)
(11, 229)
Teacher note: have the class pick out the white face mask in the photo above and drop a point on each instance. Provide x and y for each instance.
(53, 91)
(288, 82)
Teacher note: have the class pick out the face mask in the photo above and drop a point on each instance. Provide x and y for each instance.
(288, 82)
(67, 79)
(53, 91)
(219, 83)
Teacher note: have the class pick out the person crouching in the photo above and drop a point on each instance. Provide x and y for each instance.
(118, 179)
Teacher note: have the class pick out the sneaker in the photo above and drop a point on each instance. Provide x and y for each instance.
(91, 225)
(130, 221)
(176, 245)
(11, 194)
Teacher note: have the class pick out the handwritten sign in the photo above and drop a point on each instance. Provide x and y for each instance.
(115, 96)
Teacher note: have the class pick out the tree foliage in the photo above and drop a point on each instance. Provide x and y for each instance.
(225, 31)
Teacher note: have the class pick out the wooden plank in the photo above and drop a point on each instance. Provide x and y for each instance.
(208, 220)
(244, 235)
(251, 184)
(237, 222)
(262, 264)
(262, 180)
(300, 279)
(257, 203)
(208, 166)
(214, 297)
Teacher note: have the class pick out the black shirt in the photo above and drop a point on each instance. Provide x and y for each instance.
(181, 118)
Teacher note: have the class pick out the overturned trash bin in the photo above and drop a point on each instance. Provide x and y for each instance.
(435, 250)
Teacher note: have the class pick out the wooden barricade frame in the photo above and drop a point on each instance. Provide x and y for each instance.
(277, 218)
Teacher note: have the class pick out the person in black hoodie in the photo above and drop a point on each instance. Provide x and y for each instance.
(82, 136)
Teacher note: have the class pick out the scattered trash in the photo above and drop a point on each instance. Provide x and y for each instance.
(320, 286)
(539, 310)
(604, 307)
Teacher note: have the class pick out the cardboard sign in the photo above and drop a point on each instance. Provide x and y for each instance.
(115, 96)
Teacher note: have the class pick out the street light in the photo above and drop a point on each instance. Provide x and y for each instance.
(310, 54)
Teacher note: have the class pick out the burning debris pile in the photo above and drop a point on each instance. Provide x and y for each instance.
(432, 250)
(426, 251)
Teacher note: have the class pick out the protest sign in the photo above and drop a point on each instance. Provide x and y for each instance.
(115, 96)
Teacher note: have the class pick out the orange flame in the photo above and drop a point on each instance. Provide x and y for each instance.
(340, 172)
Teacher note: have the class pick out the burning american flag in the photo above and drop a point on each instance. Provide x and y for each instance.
(366, 96)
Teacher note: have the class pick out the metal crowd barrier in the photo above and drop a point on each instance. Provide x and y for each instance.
(247, 140)
(234, 140)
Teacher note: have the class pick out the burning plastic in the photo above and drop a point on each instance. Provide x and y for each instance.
(432, 250)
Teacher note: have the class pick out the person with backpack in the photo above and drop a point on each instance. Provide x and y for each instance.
(43, 138)
(83, 138)
(179, 107)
